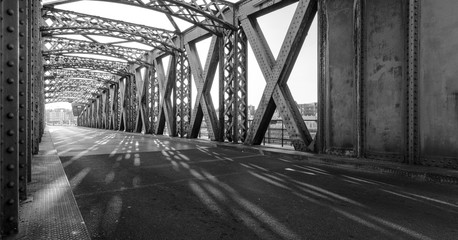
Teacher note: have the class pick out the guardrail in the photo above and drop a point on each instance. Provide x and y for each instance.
(276, 132)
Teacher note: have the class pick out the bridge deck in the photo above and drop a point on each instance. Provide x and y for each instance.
(131, 186)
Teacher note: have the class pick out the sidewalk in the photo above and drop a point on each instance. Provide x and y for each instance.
(50, 212)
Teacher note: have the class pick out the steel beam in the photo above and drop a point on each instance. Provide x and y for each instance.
(23, 98)
(60, 62)
(61, 22)
(184, 100)
(59, 46)
(276, 72)
(413, 144)
(167, 108)
(142, 82)
(203, 13)
(9, 156)
(204, 79)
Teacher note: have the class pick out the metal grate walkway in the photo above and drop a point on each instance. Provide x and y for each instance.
(51, 211)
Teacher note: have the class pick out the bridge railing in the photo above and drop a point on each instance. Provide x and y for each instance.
(276, 133)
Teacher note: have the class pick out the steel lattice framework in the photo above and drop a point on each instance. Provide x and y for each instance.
(207, 14)
(61, 22)
(367, 51)
(73, 62)
(77, 74)
(59, 46)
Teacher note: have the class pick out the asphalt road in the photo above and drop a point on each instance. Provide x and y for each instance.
(132, 186)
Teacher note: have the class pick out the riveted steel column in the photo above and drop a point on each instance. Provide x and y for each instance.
(113, 117)
(412, 82)
(148, 100)
(240, 122)
(9, 117)
(183, 89)
(30, 60)
(227, 111)
(154, 99)
(132, 101)
(23, 101)
(235, 86)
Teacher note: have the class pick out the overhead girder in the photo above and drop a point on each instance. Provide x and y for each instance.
(58, 46)
(65, 84)
(60, 61)
(207, 14)
(75, 88)
(60, 22)
(70, 96)
(97, 76)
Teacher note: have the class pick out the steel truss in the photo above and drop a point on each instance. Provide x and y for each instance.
(61, 22)
(52, 62)
(59, 46)
(61, 73)
(276, 94)
(207, 14)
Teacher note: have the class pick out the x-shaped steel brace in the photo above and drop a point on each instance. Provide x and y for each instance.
(204, 79)
(141, 125)
(123, 120)
(276, 72)
(166, 88)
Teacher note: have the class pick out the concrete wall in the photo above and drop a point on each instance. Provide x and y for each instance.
(438, 83)
(384, 79)
(340, 95)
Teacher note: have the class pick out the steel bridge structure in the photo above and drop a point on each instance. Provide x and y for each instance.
(387, 78)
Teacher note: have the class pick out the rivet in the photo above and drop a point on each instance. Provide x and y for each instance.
(21, 57)
(10, 167)
(21, 93)
(10, 63)
(10, 115)
(22, 21)
(21, 117)
(21, 141)
(21, 129)
(10, 29)
(10, 80)
(10, 98)
(11, 219)
(10, 12)
(21, 9)
(21, 81)
(21, 34)
(21, 178)
(21, 154)
(21, 189)
(10, 149)
(10, 201)
(21, 69)
(10, 46)
(10, 132)
(10, 184)
(22, 165)
(21, 105)
(21, 46)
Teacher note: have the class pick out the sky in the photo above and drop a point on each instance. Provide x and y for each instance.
(302, 82)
